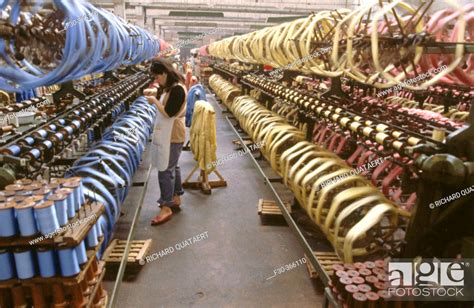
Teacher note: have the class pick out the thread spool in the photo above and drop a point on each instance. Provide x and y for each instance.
(19, 299)
(14, 187)
(378, 270)
(371, 280)
(78, 179)
(380, 263)
(24, 181)
(337, 267)
(384, 299)
(5, 298)
(68, 262)
(24, 264)
(18, 199)
(382, 277)
(35, 199)
(59, 181)
(42, 182)
(353, 273)
(92, 239)
(359, 265)
(349, 266)
(364, 272)
(29, 140)
(44, 193)
(337, 275)
(52, 186)
(358, 280)
(46, 261)
(381, 285)
(13, 150)
(8, 195)
(81, 253)
(7, 217)
(47, 217)
(373, 300)
(357, 300)
(41, 133)
(7, 265)
(33, 187)
(24, 193)
(59, 298)
(364, 288)
(342, 282)
(78, 299)
(71, 209)
(74, 186)
(348, 291)
(369, 264)
(37, 293)
(26, 218)
(60, 205)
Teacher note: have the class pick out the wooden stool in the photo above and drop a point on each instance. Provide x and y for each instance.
(203, 182)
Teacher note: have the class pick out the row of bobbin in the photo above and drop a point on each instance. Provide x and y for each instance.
(363, 285)
(56, 295)
(28, 208)
(42, 262)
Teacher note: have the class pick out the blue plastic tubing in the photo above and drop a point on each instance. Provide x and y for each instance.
(88, 47)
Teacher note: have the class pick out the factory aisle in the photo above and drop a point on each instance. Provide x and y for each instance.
(229, 264)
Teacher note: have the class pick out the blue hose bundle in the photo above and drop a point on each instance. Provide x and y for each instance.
(196, 93)
(25, 95)
(107, 169)
(100, 43)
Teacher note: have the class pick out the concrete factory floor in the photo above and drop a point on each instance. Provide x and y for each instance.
(230, 264)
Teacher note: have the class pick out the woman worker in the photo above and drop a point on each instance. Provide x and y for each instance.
(169, 134)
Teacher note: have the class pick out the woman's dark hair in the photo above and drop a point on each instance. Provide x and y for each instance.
(160, 66)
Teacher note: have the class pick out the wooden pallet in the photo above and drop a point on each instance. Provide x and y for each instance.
(239, 145)
(269, 207)
(114, 253)
(270, 213)
(326, 259)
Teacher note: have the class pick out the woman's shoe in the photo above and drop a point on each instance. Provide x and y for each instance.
(161, 218)
(177, 200)
(176, 204)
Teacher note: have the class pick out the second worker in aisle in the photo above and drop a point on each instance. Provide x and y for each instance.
(169, 135)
